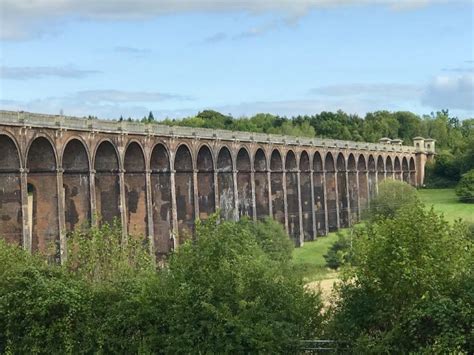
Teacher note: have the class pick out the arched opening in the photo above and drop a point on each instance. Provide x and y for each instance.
(183, 165)
(244, 184)
(225, 184)
(205, 181)
(292, 197)
(107, 183)
(11, 225)
(161, 199)
(412, 172)
(261, 184)
(135, 190)
(342, 191)
(363, 184)
(306, 203)
(380, 169)
(398, 169)
(76, 184)
(331, 194)
(405, 170)
(43, 198)
(353, 188)
(372, 178)
(389, 167)
(278, 198)
(318, 187)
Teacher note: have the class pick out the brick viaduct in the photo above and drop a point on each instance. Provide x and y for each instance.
(58, 173)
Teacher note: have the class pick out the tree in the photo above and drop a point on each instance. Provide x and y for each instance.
(465, 188)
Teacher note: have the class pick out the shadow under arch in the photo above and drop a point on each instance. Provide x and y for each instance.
(261, 184)
(244, 184)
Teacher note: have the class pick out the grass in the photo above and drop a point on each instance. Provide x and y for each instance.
(446, 202)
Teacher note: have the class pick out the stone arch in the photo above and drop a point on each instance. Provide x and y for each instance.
(412, 172)
(398, 169)
(380, 169)
(318, 188)
(389, 167)
(43, 197)
(135, 189)
(160, 178)
(405, 170)
(363, 184)
(261, 183)
(306, 203)
(205, 181)
(11, 226)
(342, 191)
(292, 196)
(278, 198)
(244, 183)
(183, 165)
(107, 181)
(225, 183)
(331, 192)
(76, 185)
(353, 187)
(372, 177)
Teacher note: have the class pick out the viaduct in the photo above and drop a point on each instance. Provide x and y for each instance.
(59, 173)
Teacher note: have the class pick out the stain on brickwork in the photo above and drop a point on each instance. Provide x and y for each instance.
(76, 186)
(135, 190)
(306, 203)
(405, 169)
(225, 183)
(261, 184)
(331, 195)
(398, 169)
(292, 197)
(107, 183)
(412, 172)
(278, 198)
(10, 192)
(363, 187)
(244, 184)
(353, 190)
(380, 169)
(372, 178)
(183, 165)
(43, 193)
(342, 192)
(161, 199)
(389, 168)
(318, 182)
(205, 181)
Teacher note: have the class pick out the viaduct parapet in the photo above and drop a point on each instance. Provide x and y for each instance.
(60, 173)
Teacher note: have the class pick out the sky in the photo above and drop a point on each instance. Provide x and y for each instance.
(286, 57)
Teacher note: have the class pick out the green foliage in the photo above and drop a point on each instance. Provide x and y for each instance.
(340, 252)
(392, 195)
(412, 289)
(465, 188)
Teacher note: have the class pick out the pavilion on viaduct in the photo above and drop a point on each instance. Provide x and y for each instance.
(59, 173)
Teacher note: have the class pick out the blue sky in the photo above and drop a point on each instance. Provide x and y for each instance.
(127, 57)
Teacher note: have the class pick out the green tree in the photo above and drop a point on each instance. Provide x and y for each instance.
(465, 188)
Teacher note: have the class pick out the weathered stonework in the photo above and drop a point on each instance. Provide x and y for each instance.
(61, 173)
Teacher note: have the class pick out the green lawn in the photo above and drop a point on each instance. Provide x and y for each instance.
(446, 202)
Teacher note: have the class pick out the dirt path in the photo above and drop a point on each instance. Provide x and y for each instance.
(326, 286)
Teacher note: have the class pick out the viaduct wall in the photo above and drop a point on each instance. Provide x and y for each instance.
(59, 173)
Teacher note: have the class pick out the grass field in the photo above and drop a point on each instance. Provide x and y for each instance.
(446, 202)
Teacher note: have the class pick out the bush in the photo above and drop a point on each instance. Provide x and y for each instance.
(412, 289)
(465, 188)
(340, 251)
(392, 195)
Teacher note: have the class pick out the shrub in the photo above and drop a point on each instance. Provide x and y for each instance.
(392, 195)
(340, 252)
(465, 188)
(412, 288)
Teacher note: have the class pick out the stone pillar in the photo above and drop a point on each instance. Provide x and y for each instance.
(216, 189)
(270, 204)
(236, 195)
(368, 187)
(122, 207)
(93, 198)
(254, 200)
(195, 193)
(174, 214)
(326, 218)
(61, 216)
(376, 183)
(149, 212)
(313, 211)
(300, 207)
(348, 197)
(338, 218)
(285, 202)
(358, 194)
(24, 209)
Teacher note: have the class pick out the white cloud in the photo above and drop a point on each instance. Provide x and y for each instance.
(452, 92)
(387, 90)
(24, 73)
(23, 18)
